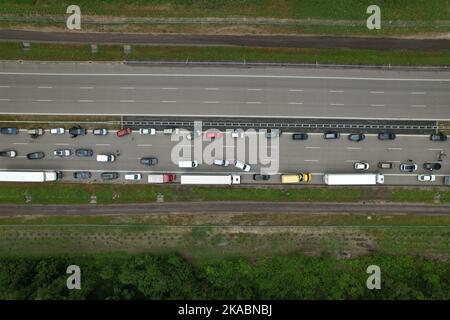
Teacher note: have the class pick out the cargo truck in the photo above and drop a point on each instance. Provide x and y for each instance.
(350, 179)
(208, 179)
(161, 178)
(29, 176)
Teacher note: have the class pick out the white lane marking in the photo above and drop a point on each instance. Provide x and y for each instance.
(254, 89)
(211, 88)
(418, 106)
(20, 143)
(85, 101)
(43, 100)
(177, 75)
(435, 149)
(296, 90)
(127, 88)
(307, 160)
(416, 92)
(61, 144)
(353, 148)
(5, 86)
(86, 88)
(126, 101)
(336, 91)
(337, 104)
(312, 147)
(253, 102)
(377, 105)
(144, 145)
(45, 87)
(295, 103)
(5, 100)
(168, 101)
(351, 160)
(102, 144)
(377, 92)
(394, 148)
(169, 88)
(211, 101)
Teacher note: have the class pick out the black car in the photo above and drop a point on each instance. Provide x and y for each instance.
(438, 137)
(36, 155)
(109, 175)
(356, 137)
(9, 131)
(149, 161)
(8, 154)
(82, 175)
(432, 166)
(300, 136)
(77, 131)
(261, 177)
(386, 136)
(331, 135)
(84, 152)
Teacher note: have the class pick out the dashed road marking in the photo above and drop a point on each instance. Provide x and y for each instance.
(295, 103)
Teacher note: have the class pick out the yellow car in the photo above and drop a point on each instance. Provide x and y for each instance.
(296, 178)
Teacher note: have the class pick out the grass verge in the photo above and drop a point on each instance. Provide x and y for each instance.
(79, 52)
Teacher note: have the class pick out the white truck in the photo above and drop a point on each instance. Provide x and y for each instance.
(351, 179)
(29, 176)
(161, 178)
(209, 179)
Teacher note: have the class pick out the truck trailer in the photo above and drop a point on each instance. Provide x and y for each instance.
(208, 179)
(351, 179)
(29, 176)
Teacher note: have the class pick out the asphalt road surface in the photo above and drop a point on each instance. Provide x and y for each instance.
(247, 40)
(221, 207)
(117, 89)
(315, 155)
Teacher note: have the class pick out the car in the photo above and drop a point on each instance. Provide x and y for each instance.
(57, 131)
(242, 166)
(356, 137)
(432, 166)
(361, 166)
(271, 134)
(188, 164)
(237, 133)
(77, 131)
(124, 132)
(133, 176)
(223, 163)
(386, 136)
(149, 161)
(9, 131)
(82, 175)
(426, 177)
(8, 154)
(408, 167)
(193, 135)
(438, 137)
(213, 135)
(106, 158)
(36, 155)
(385, 165)
(62, 153)
(109, 175)
(261, 177)
(100, 132)
(34, 133)
(331, 135)
(300, 136)
(84, 153)
(148, 131)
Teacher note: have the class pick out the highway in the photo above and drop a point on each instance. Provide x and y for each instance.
(314, 155)
(119, 89)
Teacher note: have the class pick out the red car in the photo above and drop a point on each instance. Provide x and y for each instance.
(124, 132)
(213, 135)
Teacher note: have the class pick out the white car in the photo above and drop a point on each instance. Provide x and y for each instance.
(57, 131)
(62, 153)
(242, 166)
(223, 163)
(149, 131)
(426, 177)
(106, 158)
(238, 133)
(361, 166)
(193, 135)
(133, 176)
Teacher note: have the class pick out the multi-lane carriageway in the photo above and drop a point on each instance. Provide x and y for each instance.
(314, 155)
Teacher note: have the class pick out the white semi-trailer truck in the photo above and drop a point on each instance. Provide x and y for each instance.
(351, 179)
(208, 179)
(29, 176)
